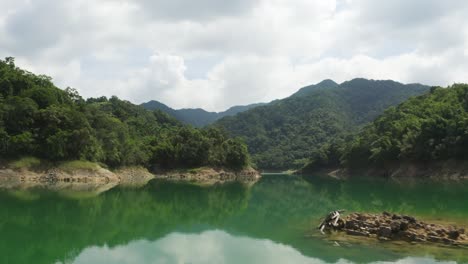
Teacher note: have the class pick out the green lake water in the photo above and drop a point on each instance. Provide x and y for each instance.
(272, 221)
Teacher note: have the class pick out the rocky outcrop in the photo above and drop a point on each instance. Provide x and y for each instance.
(134, 176)
(392, 227)
(210, 176)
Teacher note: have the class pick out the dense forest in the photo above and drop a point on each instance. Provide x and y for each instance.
(285, 133)
(431, 127)
(196, 117)
(38, 119)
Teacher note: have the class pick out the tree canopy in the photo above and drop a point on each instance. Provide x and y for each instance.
(430, 127)
(285, 133)
(38, 119)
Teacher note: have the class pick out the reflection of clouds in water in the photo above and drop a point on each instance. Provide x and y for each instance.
(207, 247)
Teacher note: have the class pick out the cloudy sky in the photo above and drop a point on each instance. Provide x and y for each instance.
(214, 54)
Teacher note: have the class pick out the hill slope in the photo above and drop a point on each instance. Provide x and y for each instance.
(425, 129)
(284, 133)
(196, 116)
(38, 119)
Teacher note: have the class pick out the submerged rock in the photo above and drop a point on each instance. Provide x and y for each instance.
(393, 227)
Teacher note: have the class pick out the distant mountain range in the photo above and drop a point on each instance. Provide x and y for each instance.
(284, 133)
(197, 116)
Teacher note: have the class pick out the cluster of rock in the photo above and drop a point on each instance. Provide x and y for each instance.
(387, 226)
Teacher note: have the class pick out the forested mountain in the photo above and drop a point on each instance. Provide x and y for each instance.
(285, 133)
(431, 127)
(196, 116)
(38, 119)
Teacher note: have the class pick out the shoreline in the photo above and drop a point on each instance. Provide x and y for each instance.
(450, 170)
(210, 176)
(96, 179)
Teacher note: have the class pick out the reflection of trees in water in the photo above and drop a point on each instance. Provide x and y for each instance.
(279, 208)
(51, 228)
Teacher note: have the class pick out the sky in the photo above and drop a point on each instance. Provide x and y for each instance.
(215, 54)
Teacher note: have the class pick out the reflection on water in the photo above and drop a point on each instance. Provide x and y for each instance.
(215, 247)
(272, 221)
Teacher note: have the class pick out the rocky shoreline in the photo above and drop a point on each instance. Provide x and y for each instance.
(100, 179)
(210, 176)
(393, 227)
(449, 170)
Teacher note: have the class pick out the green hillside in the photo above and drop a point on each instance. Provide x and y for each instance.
(285, 133)
(431, 127)
(38, 119)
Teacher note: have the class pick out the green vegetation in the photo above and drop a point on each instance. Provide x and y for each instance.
(25, 162)
(70, 166)
(431, 127)
(285, 133)
(40, 120)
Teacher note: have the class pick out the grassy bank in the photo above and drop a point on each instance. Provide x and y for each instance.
(35, 164)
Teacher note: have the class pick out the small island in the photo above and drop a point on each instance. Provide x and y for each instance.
(393, 227)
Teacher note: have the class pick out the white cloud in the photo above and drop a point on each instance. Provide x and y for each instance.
(264, 49)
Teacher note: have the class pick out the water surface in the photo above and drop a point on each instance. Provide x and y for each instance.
(271, 222)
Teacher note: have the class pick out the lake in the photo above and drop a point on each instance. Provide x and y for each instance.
(272, 221)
